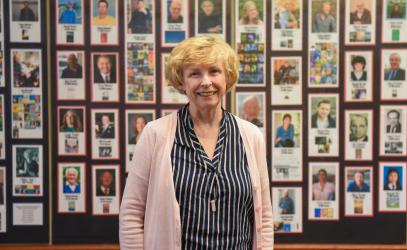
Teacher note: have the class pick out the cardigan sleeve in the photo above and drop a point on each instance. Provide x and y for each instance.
(133, 206)
(267, 233)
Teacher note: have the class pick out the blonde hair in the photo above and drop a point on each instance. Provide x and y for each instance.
(206, 50)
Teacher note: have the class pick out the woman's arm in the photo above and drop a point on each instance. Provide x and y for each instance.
(132, 209)
(267, 233)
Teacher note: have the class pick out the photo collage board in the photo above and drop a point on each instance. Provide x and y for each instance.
(323, 80)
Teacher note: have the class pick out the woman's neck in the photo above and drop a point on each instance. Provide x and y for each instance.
(209, 117)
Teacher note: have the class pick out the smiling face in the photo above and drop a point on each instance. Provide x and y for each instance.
(106, 179)
(104, 65)
(358, 127)
(204, 85)
(359, 178)
(395, 61)
(393, 177)
(175, 9)
(69, 119)
(71, 177)
(323, 110)
(326, 8)
(322, 178)
(251, 11)
(102, 8)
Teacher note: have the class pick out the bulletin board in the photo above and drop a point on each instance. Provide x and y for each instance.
(102, 79)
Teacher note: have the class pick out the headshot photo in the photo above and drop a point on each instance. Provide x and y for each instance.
(71, 120)
(324, 113)
(140, 17)
(393, 121)
(25, 10)
(104, 12)
(287, 14)
(286, 71)
(105, 125)
(26, 69)
(360, 12)
(210, 16)
(250, 108)
(104, 68)
(175, 9)
(27, 160)
(393, 178)
(250, 12)
(105, 182)
(69, 11)
(71, 180)
(70, 66)
(324, 16)
(286, 202)
(358, 72)
(358, 128)
(136, 124)
(284, 137)
(358, 180)
(323, 186)
(396, 9)
(394, 72)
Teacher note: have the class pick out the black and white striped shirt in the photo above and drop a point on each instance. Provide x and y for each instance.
(215, 196)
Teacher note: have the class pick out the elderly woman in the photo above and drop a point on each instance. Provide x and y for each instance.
(199, 176)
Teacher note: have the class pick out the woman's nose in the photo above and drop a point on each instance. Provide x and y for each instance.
(206, 81)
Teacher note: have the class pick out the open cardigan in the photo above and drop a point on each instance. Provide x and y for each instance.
(149, 212)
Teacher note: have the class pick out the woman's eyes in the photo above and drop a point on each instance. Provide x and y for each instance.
(199, 73)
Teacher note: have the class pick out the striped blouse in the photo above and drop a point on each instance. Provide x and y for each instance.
(215, 196)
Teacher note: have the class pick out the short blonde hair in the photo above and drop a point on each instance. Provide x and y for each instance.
(206, 50)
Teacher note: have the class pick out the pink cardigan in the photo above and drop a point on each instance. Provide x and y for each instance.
(149, 212)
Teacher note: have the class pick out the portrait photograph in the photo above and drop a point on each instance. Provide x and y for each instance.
(394, 21)
(27, 170)
(105, 182)
(71, 75)
(286, 81)
(105, 189)
(287, 209)
(25, 11)
(286, 136)
(105, 125)
(104, 68)
(323, 65)
(323, 121)
(393, 74)
(392, 189)
(174, 22)
(393, 119)
(105, 77)
(251, 107)
(140, 74)
(251, 12)
(395, 9)
(27, 116)
(2, 132)
(25, 20)
(71, 187)
(140, 16)
(360, 22)
(71, 120)
(210, 16)
(359, 76)
(323, 199)
(324, 16)
(359, 191)
(70, 12)
(71, 64)
(359, 135)
(69, 22)
(26, 68)
(104, 22)
(2, 80)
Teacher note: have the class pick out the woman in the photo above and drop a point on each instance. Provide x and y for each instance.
(199, 176)
(250, 14)
(359, 73)
(392, 180)
(285, 133)
(71, 122)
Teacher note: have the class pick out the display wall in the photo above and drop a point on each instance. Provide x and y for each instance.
(323, 80)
